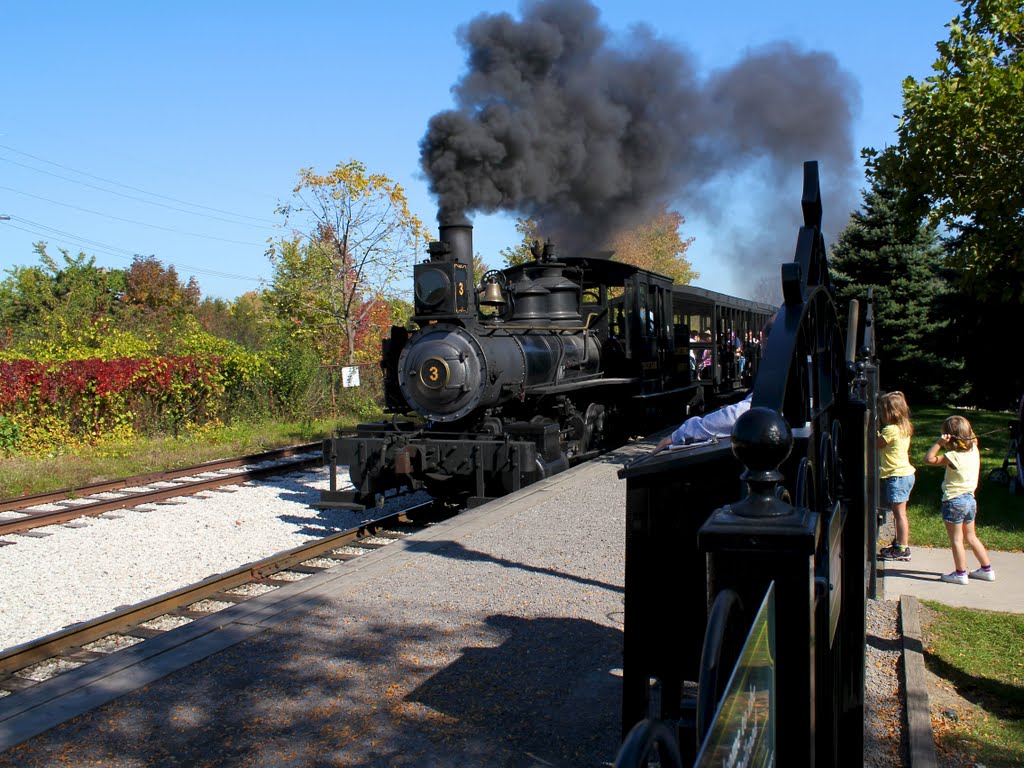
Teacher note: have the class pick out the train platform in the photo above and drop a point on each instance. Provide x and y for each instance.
(492, 638)
(920, 578)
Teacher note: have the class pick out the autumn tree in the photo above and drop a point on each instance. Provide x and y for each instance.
(959, 153)
(153, 288)
(352, 238)
(655, 245)
(246, 320)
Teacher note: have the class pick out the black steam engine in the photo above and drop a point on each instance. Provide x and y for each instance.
(538, 367)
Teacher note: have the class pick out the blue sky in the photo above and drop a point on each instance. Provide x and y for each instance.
(174, 129)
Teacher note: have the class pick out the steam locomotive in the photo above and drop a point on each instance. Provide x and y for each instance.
(536, 368)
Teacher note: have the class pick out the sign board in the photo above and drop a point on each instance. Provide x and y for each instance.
(742, 734)
(350, 376)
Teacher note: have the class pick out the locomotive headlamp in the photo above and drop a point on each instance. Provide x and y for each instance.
(432, 287)
(434, 373)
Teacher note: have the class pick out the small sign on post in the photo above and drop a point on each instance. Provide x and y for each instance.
(350, 376)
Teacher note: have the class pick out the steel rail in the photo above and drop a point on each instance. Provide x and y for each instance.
(39, 519)
(48, 497)
(72, 638)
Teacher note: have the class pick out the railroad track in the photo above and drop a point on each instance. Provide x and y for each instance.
(57, 507)
(24, 666)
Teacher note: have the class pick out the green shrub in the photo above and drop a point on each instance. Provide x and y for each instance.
(10, 434)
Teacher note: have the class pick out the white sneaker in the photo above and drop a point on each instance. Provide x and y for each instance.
(989, 575)
(955, 578)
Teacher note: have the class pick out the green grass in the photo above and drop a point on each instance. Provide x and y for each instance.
(1000, 521)
(22, 475)
(978, 654)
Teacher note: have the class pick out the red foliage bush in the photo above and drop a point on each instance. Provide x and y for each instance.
(89, 397)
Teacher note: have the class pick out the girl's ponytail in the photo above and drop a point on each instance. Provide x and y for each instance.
(959, 432)
(962, 443)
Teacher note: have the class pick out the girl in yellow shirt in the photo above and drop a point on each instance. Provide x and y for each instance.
(897, 474)
(959, 507)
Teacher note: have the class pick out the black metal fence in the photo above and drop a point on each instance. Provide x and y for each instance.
(763, 551)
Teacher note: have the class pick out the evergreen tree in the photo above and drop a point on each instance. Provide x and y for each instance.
(901, 258)
(958, 154)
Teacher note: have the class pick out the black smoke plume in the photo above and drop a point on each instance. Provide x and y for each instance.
(556, 122)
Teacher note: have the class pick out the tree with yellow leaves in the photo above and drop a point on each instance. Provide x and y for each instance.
(352, 237)
(654, 245)
(657, 246)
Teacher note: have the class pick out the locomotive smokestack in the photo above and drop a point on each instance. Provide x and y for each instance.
(444, 285)
(456, 232)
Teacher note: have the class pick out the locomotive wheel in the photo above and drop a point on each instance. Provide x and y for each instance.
(594, 426)
(617, 428)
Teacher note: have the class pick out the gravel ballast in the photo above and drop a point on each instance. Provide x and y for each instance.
(77, 572)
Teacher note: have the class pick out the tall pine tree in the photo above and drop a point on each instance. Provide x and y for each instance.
(902, 260)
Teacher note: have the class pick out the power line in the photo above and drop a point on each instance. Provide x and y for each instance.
(132, 221)
(121, 253)
(129, 256)
(68, 236)
(134, 189)
(132, 197)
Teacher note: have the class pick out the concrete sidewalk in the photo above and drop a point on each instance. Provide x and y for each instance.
(920, 578)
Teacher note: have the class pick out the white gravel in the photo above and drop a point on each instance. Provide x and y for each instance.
(80, 572)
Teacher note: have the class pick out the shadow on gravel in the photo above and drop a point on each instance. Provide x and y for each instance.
(331, 689)
(325, 523)
(295, 488)
(457, 551)
(886, 645)
(536, 694)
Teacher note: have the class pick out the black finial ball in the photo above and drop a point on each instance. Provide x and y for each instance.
(761, 439)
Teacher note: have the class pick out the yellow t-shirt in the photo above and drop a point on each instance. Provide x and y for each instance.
(895, 458)
(962, 476)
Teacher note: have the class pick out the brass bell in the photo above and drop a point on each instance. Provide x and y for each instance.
(493, 297)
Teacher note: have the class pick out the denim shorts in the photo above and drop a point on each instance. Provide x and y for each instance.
(960, 509)
(897, 489)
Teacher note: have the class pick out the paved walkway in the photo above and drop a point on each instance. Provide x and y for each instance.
(493, 638)
(920, 578)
